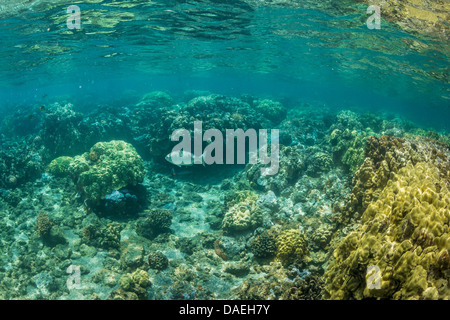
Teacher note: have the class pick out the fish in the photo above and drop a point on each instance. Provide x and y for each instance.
(31, 117)
(42, 108)
(184, 155)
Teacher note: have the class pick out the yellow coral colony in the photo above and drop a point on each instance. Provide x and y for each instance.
(291, 246)
(405, 235)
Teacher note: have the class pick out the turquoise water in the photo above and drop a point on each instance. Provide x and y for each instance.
(86, 117)
(326, 55)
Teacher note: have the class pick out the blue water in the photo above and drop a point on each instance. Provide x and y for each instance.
(72, 195)
(302, 55)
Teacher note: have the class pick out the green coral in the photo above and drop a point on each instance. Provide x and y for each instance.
(405, 235)
(106, 167)
(291, 246)
(60, 166)
(349, 147)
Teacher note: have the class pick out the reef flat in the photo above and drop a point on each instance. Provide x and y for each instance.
(92, 191)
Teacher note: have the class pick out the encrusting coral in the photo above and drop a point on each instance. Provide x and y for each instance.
(291, 246)
(405, 234)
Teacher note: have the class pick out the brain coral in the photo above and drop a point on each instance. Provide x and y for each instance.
(106, 167)
(405, 234)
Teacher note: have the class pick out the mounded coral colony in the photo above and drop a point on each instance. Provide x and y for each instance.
(106, 167)
(358, 209)
(405, 233)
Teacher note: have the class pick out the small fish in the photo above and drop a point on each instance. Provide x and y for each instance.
(184, 155)
(42, 108)
(31, 117)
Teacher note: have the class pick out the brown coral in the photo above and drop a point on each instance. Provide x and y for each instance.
(43, 224)
(385, 156)
(219, 250)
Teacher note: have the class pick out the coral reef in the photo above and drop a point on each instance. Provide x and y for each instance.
(106, 167)
(60, 166)
(353, 191)
(49, 232)
(292, 165)
(107, 237)
(60, 132)
(125, 201)
(215, 111)
(156, 222)
(384, 156)
(133, 286)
